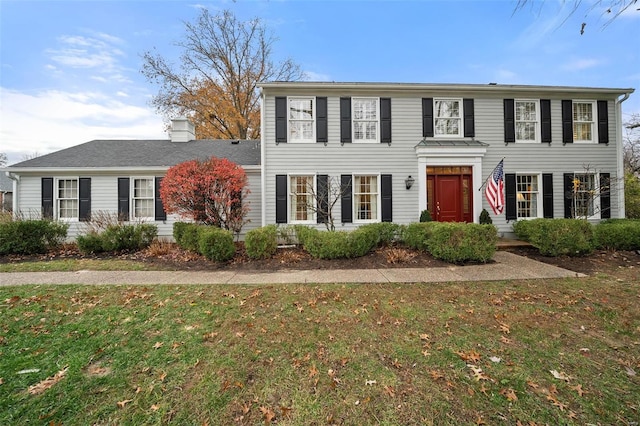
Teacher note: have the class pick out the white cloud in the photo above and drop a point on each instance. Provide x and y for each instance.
(51, 120)
(579, 64)
(315, 76)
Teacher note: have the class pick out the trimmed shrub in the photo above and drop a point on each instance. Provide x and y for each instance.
(303, 233)
(558, 237)
(416, 235)
(178, 231)
(622, 234)
(326, 244)
(463, 242)
(425, 216)
(364, 239)
(216, 244)
(90, 243)
(31, 236)
(485, 218)
(261, 243)
(189, 236)
(522, 229)
(118, 237)
(387, 232)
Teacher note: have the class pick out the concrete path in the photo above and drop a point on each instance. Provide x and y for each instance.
(507, 266)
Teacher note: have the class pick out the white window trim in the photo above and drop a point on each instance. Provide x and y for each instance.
(515, 120)
(594, 120)
(353, 120)
(540, 209)
(56, 199)
(132, 206)
(378, 198)
(460, 118)
(596, 200)
(313, 214)
(314, 109)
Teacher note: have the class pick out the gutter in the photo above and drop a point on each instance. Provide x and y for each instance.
(620, 154)
(16, 179)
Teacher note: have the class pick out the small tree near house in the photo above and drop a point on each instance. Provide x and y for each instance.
(587, 192)
(211, 192)
(322, 198)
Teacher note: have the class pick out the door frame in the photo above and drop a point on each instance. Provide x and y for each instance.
(451, 156)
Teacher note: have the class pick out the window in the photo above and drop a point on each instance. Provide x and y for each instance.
(526, 120)
(583, 121)
(528, 196)
(447, 117)
(143, 201)
(67, 199)
(365, 194)
(584, 195)
(301, 120)
(365, 119)
(302, 198)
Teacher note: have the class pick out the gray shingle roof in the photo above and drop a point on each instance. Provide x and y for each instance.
(146, 153)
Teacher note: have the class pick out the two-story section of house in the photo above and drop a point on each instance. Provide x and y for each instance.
(357, 153)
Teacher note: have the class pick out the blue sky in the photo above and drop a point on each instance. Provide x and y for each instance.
(70, 70)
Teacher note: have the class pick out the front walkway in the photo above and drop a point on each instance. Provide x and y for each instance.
(507, 266)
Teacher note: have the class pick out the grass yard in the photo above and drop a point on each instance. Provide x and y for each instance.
(528, 352)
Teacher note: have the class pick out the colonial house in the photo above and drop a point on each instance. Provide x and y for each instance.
(354, 153)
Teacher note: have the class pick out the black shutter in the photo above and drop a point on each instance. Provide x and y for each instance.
(427, 117)
(545, 120)
(603, 122)
(469, 121)
(386, 198)
(47, 198)
(385, 120)
(568, 195)
(547, 195)
(84, 196)
(281, 198)
(605, 196)
(123, 199)
(321, 120)
(567, 121)
(322, 190)
(345, 120)
(509, 121)
(160, 213)
(281, 119)
(346, 190)
(510, 198)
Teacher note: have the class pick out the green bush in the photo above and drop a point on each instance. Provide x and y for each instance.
(425, 216)
(387, 232)
(622, 234)
(522, 229)
(90, 243)
(118, 237)
(364, 239)
(303, 233)
(261, 243)
(463, 242)
(216, 244)
(341, 244)
(186, 235)
(416, 235)
(558, 237)
(31, 236)
(485, 218)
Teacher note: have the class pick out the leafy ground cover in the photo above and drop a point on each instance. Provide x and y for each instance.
(520, 352)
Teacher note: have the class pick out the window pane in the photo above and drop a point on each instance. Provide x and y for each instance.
(301, 109)
(143, 208)
(68, 209)
(527, 195)
(301, 198)
(143, 198)
(366, 197)
(582, 131)
(447, 108)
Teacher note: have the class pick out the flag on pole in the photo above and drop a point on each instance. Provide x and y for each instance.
(494, 190)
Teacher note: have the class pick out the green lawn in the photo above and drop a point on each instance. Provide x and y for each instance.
(535, 352)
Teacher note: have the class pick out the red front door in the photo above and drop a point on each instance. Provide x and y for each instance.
(449, 197)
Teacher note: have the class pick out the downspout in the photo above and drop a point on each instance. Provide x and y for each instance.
(263, 144)
(621, 201)
(14, 202)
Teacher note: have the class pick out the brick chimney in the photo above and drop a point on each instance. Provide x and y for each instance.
(182, 130)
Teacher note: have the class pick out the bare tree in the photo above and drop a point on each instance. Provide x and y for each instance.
(607, 9)
(587, 189)
(632, 145)
(222, 61)
(322, 200)
(30, 156)
(3, 159)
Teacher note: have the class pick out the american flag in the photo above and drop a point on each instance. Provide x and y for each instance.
(495, 189)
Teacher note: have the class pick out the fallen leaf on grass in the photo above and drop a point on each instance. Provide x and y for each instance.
(313, 371)
(268, 414)
(47, 383)
(389, 390)
(472, 356)
(370, 382)
(630, 372)
(504, 328)
(155, 407)
(121, 404)
(510, 394)
(158, 345)
(578, 388)
(495, 359)
(560, 375)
